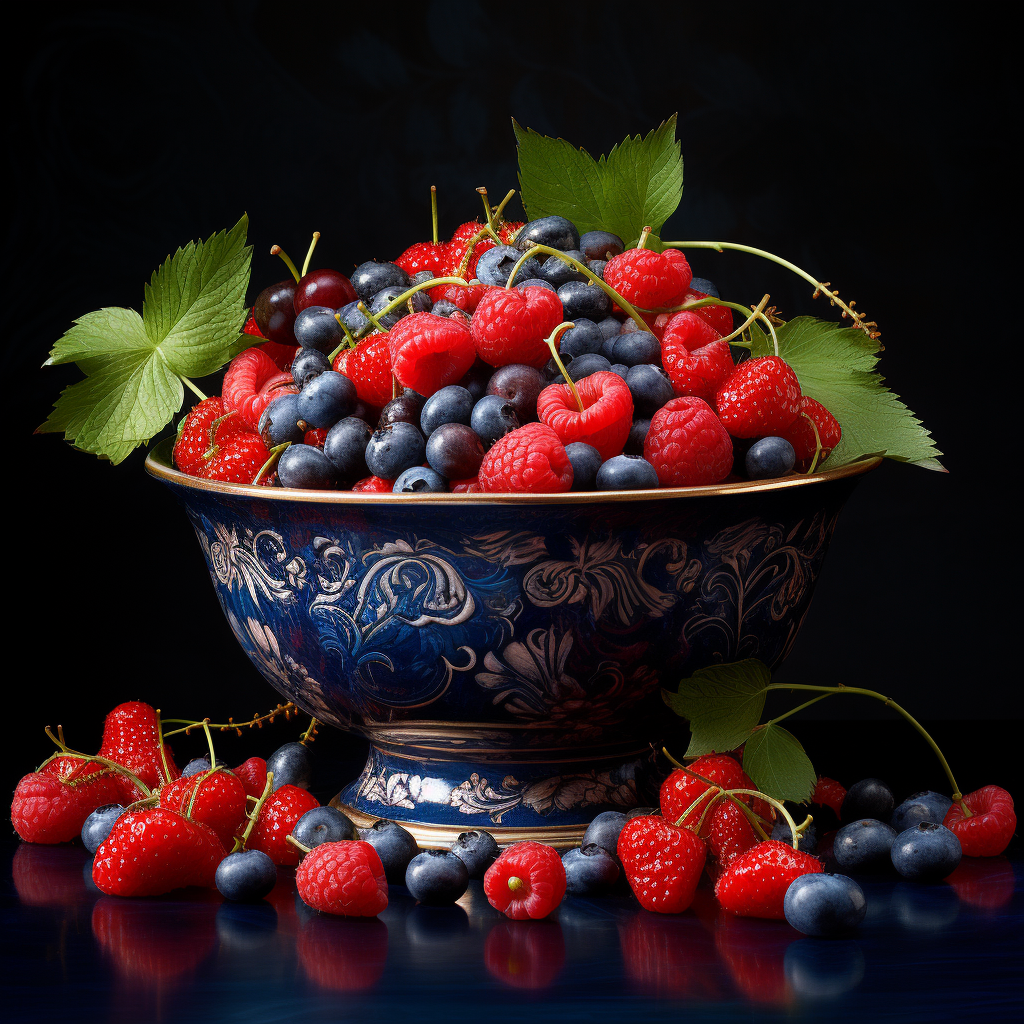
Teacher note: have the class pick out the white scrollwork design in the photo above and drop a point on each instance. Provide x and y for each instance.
(258, 562)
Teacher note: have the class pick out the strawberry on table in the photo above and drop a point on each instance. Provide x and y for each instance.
(277, 817)
(755, 883)
(662, 863)
(215, 798)
(131, 737)
(422, 256)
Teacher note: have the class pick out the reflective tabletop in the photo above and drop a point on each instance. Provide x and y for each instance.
(950, 951)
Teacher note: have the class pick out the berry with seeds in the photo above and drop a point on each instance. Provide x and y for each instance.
(328, 288)
(662, 863)
(511, 326)
(869, 798)
(305, 467)
(627, 473)
(308, 364)
(800, 433)
(584, 337)
(278, 816)
(761, 396)
(324, 825)
(495, 265)
(507, 232)
(729, 832)
(317, 328)
(436, 877)
(583, 300)
(368, 366)
(636, 348)
(253, 776)
(604, 831)
(819, 904)
(453, 404)
(423, 256)
(345, 445)
(991, 824)
(769, 458)
(373, 485)
(97, 826)
(606, 417)
(420, 480)
(682, 789)
(696, 358)
(463, 297)
(430, 352)
(648, 279)
(206, 426)
(687, 444)
(554, 231)
(864, 846)
(326, 399)
(251, 382)
(493, 417)
(292, 765)
(531, 459)
(650, 387)
(926, 806)
(131, 738)
(526, 881)
(601, 245)
(519, 385)
(586, 461)
(394, 449)
(216, 798)
(756, 882)
(394, 845)
(455, 451)
(274, 312)
(346, 879)
(926, 853)
(590, 870)
(370, 277)
(245, 876)
(477, 850)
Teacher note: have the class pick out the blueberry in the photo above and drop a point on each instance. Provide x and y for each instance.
(590, 870)
(453, 404)
(306, 467)
(394, 449)
(493, 417)
(554, 231)
(585, 337)
(345, 445)
(558, 272)
(406, 408)
(635, 348)
(421, 278)
(200, 764)
(97, 826)
(455, 451)
(370, 277)
(605, 828)
(619, 369)
(869, 798)
(808, 840)
(586, 300)
(610, 327)
(478, 850)
(445, 308)
(596, 267)
(291, 765)
(246, 875)
(926, 852)
(324, 825)
(586, 461)
(824, 904)
(864, 845)
(637, 436)
(626, 473)
(394, 845)
(608, 346)
(419, 301)
(586, 364)
(703, 285)
(601, 245)
(316, 328)
(769, 458)
(280, 422)
(326, 399)
(535, 282)
(475, 381)
(650, 387)
(495, 265)
(436, 877)
(420, 480)
(642, 812)
(519, 385)
(355, 320)
(307, 364)
(926, 806)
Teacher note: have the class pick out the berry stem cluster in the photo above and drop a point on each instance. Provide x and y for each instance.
(65, 751)
(188, 724)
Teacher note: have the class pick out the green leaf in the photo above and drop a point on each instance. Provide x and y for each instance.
(836, 366)
(192, 315)
(723, 703)
(639, 183)
(776, 762)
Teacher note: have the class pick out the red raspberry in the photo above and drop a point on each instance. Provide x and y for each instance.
(153, 851)
(606, 420)
(718, 317)
(989, 831)
(508, 231)
(251, 382)
(281, 354)
(206, 425)
(662, 863)
(466, 298)
(374, 484)
(276, 820)
(531, 459)
(468, 486)
(316, 437)
(510, 326)
(239, 460)
(648, 279)
(429, 352)
(687, 445)
(761, 398)
(696, 359)
(755, 883)
(829, 793)
(680, 789)
(423, 256)
(131, 739)
(526, 881)
(253, 776)
(729, 833)
(219, 802)
(368, 366)
(343, 878)
(800, 434)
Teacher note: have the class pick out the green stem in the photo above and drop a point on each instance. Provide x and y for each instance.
(310, 734)
(793, 711)
(488, 212)
(794, 834)
(406, 295)
(751, 816)
(275, 455)
(551, 341)
(96, 759)
(276, 250)
(349, 342)
(241, 840)
(500, 208)
(433, 211)
(889, 702)
(298, 846)
(162, 745)
(817, 442)
(192, 388)
(190, 723)
(309, 254)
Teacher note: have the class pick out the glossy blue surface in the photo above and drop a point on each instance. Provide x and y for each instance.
(924, 953)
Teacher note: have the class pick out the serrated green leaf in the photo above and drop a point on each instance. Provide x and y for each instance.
(193, 312)
(639, 183)
(722, 703)
(776, 762)
(836, 366)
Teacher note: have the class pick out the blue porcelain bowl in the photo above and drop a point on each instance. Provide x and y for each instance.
(503, 653)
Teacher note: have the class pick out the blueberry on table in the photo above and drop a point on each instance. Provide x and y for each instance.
(555, 231)
(590, 870)
(637, 436)
(291, 764)
(926, 852)
(420, 480)
(626, 473)
(769, 458)
(451, 404)
(280, 422)
(394, 449)
(650, 387)
(605, 828)
(326, 399)
(478, 850)
(495, 265)
(394, 845)
(455, 451)
(324, 825)
(246, 875)
(704, 286)
(824, 905)
(370, 277)
(493, 417)
(586, 300)
(97, 826)
(924, 806)
(436, 877)
(345, 445)
(307, 468)
(519, 385)
(601, 245)
(586, 461)
(869, 798)
(635, 348)
(316, 327)
(584, 337)
(308, 364)
(864, 846)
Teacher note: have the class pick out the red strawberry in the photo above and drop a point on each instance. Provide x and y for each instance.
(423, 256)
(990, 827)
(662, 863)
(717, 317)
(680, 789)
(429, 352)
(239, 460)
(251, 382)
(607, 416)
(526, 881)
(131, 737)
(374, 484)
(218, 802)
(368, 366)
(829, 793)
(761, 397)
(730, 833)
(343, 878)
(648, 279)
(800, 434)
(276, 820)
(464, 232)
(153, 851)
(253, 776)
(755, 883)
(510, 326)
(508, 231)
(206, 425)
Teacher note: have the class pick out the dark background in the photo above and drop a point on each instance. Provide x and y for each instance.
(870, 145)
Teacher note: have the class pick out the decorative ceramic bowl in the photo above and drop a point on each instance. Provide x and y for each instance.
(503, 653)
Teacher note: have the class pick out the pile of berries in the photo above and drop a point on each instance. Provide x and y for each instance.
(580, 372)
(152, 828)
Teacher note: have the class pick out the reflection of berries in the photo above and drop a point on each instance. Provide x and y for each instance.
(530, 459)
(374, 484)
(511, 326)
(662, 863)
(648, 279)
(429, 352)
(526, 881)
(687, 444)
(755, 883)
(528, 954)
(343, 878)
(989, 831)
(423, 256)
(368, 366)
(277, 817)
(801, 434)
(607, 415)
(761, 397)
(343, 955)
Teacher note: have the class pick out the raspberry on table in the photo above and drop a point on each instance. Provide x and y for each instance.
(755, 883)
(990, 828)
(607, 415)
(531, 459)
(800, 433)
(429, 352)
(650, 280)
(526, 881)
(345, 878)
(368, 366)
(761, 397)
(510, 326)
(687, 444)
(662, 862)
